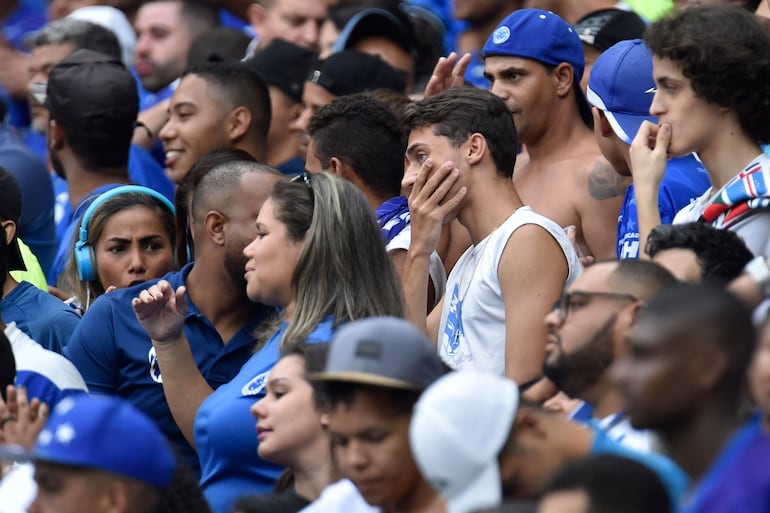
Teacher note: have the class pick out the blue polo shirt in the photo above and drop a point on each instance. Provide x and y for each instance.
(685, 180)
(115, 356)
(224, 428)
(45, 318)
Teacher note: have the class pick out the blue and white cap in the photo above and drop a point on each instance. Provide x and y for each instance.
(622, 86)
(102, 433)
(538, 35)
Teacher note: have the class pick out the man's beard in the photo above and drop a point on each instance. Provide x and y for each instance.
(235, 266)
(574, 372)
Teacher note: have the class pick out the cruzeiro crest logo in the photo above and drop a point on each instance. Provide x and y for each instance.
(256, 385)
(152, 356)
(501, 35)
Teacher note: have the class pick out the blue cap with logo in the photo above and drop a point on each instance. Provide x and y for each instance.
(621, 85)
(102, 433)
(538, 35)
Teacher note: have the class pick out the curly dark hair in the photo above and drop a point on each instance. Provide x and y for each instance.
(725, 53)
(721, 254)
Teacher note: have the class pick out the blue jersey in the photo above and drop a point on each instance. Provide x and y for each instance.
(115, 356)
(36, 224)
(45, 318)
(224, 429)
(738, 480)
(685, 180)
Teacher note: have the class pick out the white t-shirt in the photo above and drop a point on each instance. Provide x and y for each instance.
(340, 497)
(473, 316)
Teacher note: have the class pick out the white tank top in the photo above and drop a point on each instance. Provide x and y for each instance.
(472, 329)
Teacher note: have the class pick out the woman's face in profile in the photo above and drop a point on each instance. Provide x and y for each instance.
(133, 247)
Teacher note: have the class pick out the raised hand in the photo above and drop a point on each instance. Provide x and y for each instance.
(161, 311)
(432, 202)
(21, 420)
(448, 72)
(649, 153)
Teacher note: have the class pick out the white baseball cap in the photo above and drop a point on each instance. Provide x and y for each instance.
(458, 427)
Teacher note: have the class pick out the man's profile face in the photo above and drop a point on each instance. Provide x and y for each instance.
(527, 88)
(691, 118)
(370, 441)
(162, 42)
(195, 126)
(295, 21)
(314, 97)
(580, 344)
(62, 489)
(42, 59)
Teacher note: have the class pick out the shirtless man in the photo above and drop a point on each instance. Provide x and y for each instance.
(534, 61)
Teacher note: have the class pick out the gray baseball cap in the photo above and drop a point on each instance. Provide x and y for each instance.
(382, 351)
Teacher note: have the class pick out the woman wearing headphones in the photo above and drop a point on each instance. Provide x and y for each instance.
(126, 237)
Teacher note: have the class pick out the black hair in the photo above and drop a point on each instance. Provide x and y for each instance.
(642, 278)
(612, 483)
(363, 133)
(218, 44)
(183, 494)
(240, 85)
(343, 393)
(718, 318)
(7, 361)
(459, 112)
(184, 243)
(721, 254)
(725, 53)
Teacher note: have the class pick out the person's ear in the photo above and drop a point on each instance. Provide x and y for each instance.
(238, 123)
(601, 122)
(55, 135)
(476, 147)
(256, 15)
(9, 227)
(563, 76)
(336, 167)
(214, 222)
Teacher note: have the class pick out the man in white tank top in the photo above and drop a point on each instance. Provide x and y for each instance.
(464, 142)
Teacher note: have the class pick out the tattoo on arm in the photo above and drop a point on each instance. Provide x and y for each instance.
(604, 183)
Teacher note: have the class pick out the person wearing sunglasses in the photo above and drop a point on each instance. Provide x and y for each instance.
(587, 330)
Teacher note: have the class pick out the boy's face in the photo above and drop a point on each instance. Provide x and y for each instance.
(693, 121)
(62, 489)
(370, 440)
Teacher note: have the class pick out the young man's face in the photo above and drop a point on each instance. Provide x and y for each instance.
(370, 440)
(692, 119)
(62, 489)
(424, 144)
(527, 88)
(195, 126)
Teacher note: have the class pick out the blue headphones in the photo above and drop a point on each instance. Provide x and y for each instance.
(84, 255)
